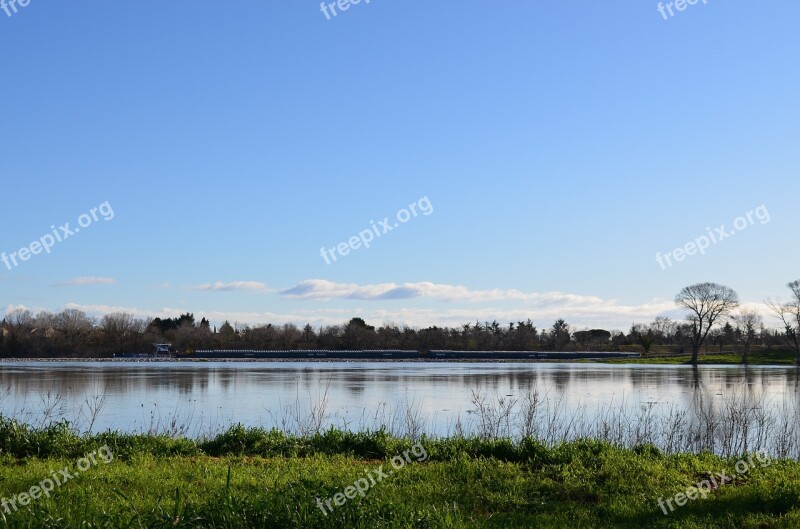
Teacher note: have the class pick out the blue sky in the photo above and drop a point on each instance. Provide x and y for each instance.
(560, 145)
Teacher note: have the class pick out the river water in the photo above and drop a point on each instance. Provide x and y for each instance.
(439, 398)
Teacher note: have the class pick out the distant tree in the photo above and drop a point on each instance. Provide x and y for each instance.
(618, 339)
(161, 325)
(288, 336)
(170, 324)
(330, 337)
(663, 329)
(560, 335)
(359, 323)
(749, 322)
(644, 336)
(389, 336)
(184, 319)
(9, 340)
(118, 329)
(433, 338)
(309, 338)
(184, 338)
(582, 338)
(523, 336)
(75, 326)
(227, 334)
(20, 319)
(727, 335)
(592, 337)
(409, 338)
(706, 304)
(789, 314)
(359, 335)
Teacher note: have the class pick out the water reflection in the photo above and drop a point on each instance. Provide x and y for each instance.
(213, 395)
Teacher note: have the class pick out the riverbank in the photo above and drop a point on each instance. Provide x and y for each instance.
(284, 361)
(249, 478)
(769, 358)
(711, 359)
(757, 358)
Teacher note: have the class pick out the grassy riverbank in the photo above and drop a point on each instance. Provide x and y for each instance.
(251, 478)
(777, 358)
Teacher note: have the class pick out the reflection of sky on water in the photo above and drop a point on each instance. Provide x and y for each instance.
(218, 394)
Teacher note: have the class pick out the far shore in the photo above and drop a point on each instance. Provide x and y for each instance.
(774, 358)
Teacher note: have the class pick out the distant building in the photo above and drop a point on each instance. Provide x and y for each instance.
(161, 348)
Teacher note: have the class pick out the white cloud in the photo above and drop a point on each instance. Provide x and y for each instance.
(414, 317)
(315, 317)
(411, 306)
(219, 286)
(86, 281)
(327, 290)
(610, 316)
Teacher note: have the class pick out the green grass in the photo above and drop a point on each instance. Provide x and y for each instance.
(757, 359)
(255, 478)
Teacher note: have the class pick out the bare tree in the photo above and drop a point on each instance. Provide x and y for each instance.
(789, 314)
(663, 328)
(749, 322)
(119, 326)
(45, 322)
(706, 303)
(76, 326)
(20, 319)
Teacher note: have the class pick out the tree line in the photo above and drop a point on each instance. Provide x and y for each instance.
(713, 320)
